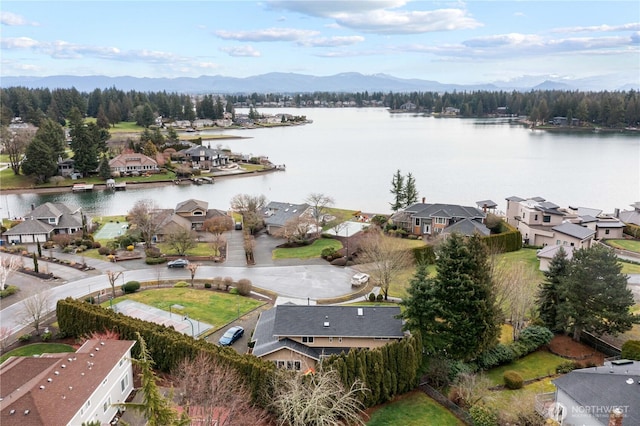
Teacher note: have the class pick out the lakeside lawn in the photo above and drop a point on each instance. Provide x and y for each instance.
(413, 409)
(307, 252)
(630, 245)
(208, 306)
(537, 364)
(37, 349)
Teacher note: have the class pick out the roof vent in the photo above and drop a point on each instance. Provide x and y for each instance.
(70, 387)
(12, 412)
(26, 412)
(360, 312)
(97, 349)
(101, 343)
(91, 355)
(41, 387)
(63, 366)
(49, 380)
(56, 372)
(326, 324)
(69, 359)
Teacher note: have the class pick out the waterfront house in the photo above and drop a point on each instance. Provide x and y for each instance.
(276, 214)
(430, 220)
(44, 221)
(631, 216)
(133, 163)
(75, 388)
(546, 254)
(197, 212)
(202, 157)
(297, 337)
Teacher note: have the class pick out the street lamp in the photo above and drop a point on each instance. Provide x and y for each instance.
(186, 318)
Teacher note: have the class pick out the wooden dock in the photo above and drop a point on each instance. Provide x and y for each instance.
(82, 187)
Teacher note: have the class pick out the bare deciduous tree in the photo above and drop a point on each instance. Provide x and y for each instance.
(383, 258)
(218, 226)
(317, 399)
(15, 143)
(112, 277)
(319, 203)
(146, 218)
(217, 392)
(8, 265)
(470, 389)
(5, 332)
(36, 307)
(296, 229)
(249, 244)
(193, 267)
(182, 240)
(250, 207)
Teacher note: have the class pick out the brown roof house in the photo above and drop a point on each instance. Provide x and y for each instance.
(297, 337)
(67, 388)
(133, 163)
(44, 221)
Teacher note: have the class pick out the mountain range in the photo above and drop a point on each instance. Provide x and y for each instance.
(297, 83)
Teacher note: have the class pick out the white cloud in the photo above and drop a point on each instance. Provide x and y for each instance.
(11, 19)
(18, 43)
(331, 41)
(269, 34)
(241, 51)
(635, 26)
(327, 8)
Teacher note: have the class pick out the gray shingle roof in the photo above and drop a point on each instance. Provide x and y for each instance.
(514, 198)
(30, 227)
(277, 213)
(190, 205)
(605, 387)
(467, 227)
(447, 210)
(573, 230)
(488, 203)
(549, 251)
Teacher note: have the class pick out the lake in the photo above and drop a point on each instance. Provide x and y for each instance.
(352, 155)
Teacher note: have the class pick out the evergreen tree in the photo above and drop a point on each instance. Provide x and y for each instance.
(548, 297)
(596, 296)
(410, 191)
(104, 170)
(455, 311)
(88, 141)
(40, 161)
(52, 134)
(397, 190)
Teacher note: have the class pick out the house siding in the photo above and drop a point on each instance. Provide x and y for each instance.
(344, 342)
(575, 413)
(287, 355)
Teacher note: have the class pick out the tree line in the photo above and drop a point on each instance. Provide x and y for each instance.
(617, 109)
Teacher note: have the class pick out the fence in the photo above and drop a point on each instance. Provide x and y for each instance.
(599, 344)
(443, 400)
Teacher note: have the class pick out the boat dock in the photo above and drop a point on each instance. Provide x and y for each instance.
(82, 187)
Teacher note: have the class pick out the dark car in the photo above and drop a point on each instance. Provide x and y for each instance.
(231, 335)
(178, 263)
(238, 226)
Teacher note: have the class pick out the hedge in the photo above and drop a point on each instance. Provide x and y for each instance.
(505, 242)
(424, 254)
(530, 339)
(130, 287)
(167, 346)
(513, 380)
(631, 350)
(631, 229)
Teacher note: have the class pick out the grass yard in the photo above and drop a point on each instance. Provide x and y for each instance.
(201, 249)
(401, 282)
(203, 305)
(10, 180)
(630, 268)
(413, 409)
(630, 245)
(307, 252)
(251, 167)
(37, 349)
(126, 127)
(341, 215)
(537, 364)
(512, 402)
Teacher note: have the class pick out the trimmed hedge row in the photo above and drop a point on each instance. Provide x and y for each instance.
(505, 242)
(631, 229)
(631, 350)
(167, 346)
(531, 338)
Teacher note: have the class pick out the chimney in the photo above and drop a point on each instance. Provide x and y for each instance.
(616, 213)
(424, 200)
(484, 207)
(616, 416)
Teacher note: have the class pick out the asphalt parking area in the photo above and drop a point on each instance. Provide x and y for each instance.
(248, 322)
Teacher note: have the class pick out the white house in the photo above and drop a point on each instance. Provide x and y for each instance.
(67, 388)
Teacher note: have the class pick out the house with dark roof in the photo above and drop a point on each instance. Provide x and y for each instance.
(546, 254)
(589, 395)
(570, 234)
(297, 337)
(67, 388)
(197, 212)
(202, 157)
(431, 220)
(44, 221)
(276, 214)
(631, 216)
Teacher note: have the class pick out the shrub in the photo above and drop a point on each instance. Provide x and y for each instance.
(227, 281)
(531, 338)
(8, 291)
(631, 350)
(46, 336)
(104, 251)
(181, 284)
(328, 252)
(244, 287)
(154, 260)
(372, 297)
(495, 356)
(130, 247)
(96, 245)
(341, 261)
(81, 248)
(207, 285)
(131, 287)
(89, 299)
(512, 379)
(152, 252)
(69, 249)
(379, 297)
(567, 367)
(483, 416)
(234, 291)
(24, 338)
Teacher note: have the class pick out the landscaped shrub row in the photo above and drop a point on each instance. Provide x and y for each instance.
(530, 339)
(505, 242)
(131, 287)
(631, 350)
(167, 346)
(386, 371)
(631, 229)
(155, 260)
(8, 291)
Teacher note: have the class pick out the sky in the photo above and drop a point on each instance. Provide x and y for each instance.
(471, 42)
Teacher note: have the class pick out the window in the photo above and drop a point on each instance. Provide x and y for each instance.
(280, 364)
(558, 242)
(546, 219)
(340, 339)
(124, 383)
(417, 221)
(535, 218)
(606, 232)
(106, 405)
(441, 220)
(307, 339)
(297, 365)
(289, 365)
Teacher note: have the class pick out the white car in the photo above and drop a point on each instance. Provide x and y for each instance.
(359, 279)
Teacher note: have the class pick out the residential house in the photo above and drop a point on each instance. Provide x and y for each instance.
(570, 234)
(66, 167)
(631, 216)
(535, 218)
(197, 212)
(297, 337)
(276, 214)
(450, 111)
(605, 226)
(44, 221)
(588, 396)
(546, 254)
(170, 223)
(133, 163)
(202, 157)
(408, 106)
(564, 121)
(487, 206)
(431, 220)
(67, 388)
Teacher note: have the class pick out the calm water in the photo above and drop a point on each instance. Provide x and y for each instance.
(352, 154)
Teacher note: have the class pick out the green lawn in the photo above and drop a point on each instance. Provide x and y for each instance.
(211, 307)
(306, 252)
(513, 402)
(251, 167)
(413, 409)
(341, 215)
(126, 127)
(37, 349)
(537, 364)
(201, 249)
(631, 245)
(630, 268)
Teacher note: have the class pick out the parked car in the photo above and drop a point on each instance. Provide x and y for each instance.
(231, 335)
(178, 263)
(238, 226)
(359, 279)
